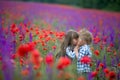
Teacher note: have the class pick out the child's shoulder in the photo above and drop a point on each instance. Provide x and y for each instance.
(85, 47)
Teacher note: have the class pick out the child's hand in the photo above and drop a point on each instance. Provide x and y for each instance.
(76, 50)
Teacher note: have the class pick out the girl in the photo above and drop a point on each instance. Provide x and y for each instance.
(70, 40)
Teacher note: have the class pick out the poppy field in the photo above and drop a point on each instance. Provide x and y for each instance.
(31, 34)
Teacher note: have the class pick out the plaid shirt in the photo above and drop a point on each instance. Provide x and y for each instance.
(83, 51)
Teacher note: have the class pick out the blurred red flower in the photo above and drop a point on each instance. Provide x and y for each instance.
(81, 78)
(101, 65)
(106, 70)
(118, 64)
(23, 49)
(0, 58)
(96, 52)
(96, 40)
(49, 59)
(112, 75)
(25, 72)
(111, 44)
(36, 58)
(109, 49)
(94, 73)
(14, 29)
(53, 47)
(85, 60)
(63, 62)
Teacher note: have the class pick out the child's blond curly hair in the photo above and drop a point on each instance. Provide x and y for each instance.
(86, 35)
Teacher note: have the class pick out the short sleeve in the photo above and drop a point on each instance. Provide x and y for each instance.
(70, 53)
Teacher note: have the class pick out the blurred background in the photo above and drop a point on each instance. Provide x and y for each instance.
(110, 5)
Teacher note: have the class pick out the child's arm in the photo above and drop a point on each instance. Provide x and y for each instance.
(76, 51)
(85, 51)
(70, 53)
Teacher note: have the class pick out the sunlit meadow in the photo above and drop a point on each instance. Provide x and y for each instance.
(31, 34)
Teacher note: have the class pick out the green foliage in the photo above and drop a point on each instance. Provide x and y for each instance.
(111, 5)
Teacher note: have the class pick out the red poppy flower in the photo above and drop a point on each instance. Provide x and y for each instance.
(96, 52)
(54, 47)
(47, 39)
(36, 58)
(27, 30)
(118, 64)
(105, 38)
(21, 62)
(44, 49)
(38, 74)
(22, 50)
(13, 56)
(63, 62)
(96, 40)
(25, 72)
(31, 28)
(106, 70)
(25, 48)
(14, 29)
(85, 60)
(101, 65)
(81, 78)
(111, 45)
(109, 49)
(112, 75)
(101, 46)
(94, 73)
(114, 53)
(21, 37)
(49, 59)
(0, 58)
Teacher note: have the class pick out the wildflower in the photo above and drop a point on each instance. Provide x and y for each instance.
(36, 58)
(85, 60)
(53, 47)
(27, 30)
(96, 52)
(118, 64)
(47, 39)
(109, 49)
(94, 73)
(106, 70)
(14, 29)
(96, 40)
(81, 78)
(0, 58)
(21, 62)
(25, 72)
(49, 59)
(101, 65)
(13, 56)
(67, 76)
(112, 75)
(111, 45)
(101, 46)
(63, 62)
(25, 48)
(38, 74)
(44, 49)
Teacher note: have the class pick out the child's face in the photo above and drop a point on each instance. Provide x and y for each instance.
(74, 41)
(80, 42)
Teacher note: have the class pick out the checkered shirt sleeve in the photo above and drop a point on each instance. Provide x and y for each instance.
(70, 53)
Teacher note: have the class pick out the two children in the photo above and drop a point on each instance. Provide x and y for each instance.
(76, 46)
